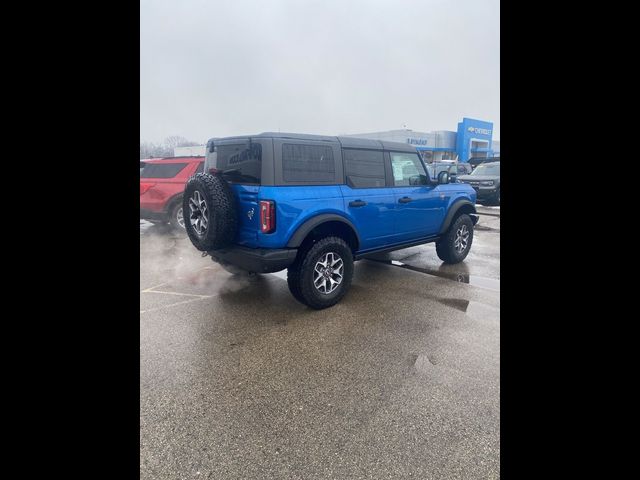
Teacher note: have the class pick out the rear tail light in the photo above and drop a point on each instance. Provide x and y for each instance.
(145, 186)
(267, 216)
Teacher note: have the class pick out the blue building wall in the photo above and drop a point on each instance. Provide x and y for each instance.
(470, 129)
(434, 145)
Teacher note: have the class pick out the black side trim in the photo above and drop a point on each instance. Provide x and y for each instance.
(422, 241)
(452, 211)
(306, 227)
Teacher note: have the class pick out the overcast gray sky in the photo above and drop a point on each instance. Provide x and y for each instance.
(220, 68)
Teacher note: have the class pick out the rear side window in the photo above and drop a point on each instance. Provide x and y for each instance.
(241, 163)
(364, 168)
(308, 163)
(161, 170)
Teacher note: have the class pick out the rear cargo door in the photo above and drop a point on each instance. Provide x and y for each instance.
(241, 162)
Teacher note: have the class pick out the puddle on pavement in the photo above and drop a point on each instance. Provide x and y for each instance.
(422, 362)
(475, 280)
(282, 274)
(457, 303)
(484, 228)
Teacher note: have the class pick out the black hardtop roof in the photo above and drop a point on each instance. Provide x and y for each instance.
(346, 142)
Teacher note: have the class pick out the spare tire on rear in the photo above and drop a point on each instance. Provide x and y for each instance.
(209, 212)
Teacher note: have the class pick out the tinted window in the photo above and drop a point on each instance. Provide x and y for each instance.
(200, 168)
(364, 168)
(308, 163)
(408, 170)
(161, 170)
(241, 163)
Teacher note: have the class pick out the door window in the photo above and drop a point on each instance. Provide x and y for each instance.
(408, 170)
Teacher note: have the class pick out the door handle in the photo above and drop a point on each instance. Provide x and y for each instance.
(357, 203)
(405, 200)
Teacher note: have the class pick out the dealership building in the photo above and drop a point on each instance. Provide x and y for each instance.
(474, 138)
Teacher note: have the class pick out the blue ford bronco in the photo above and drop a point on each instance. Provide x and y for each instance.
(314, 204)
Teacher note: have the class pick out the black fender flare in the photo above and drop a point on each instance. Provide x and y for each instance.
(304, 229)
(453, 209)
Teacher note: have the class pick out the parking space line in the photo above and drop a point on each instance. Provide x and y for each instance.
(151, 288)
(174, 304)
(175, 293)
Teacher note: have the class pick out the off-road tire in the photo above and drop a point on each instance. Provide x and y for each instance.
(445, 247)
(173, 215)
(300, 273)
(221, 212)
(293, 276)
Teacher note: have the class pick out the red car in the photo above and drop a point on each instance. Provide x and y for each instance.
(162, 182)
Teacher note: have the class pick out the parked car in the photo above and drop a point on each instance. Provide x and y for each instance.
(464, 168)
(475, 161)
(314, 204)
(162, 183)
(485, 179)
(453, 168)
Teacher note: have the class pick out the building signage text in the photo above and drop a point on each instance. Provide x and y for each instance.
(480, 131)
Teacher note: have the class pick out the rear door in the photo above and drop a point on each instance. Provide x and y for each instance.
(368, 197)
(420, 205)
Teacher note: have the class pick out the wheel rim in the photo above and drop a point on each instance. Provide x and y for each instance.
(462, 239)
(198, 211)
(180, 217)
(328, 272)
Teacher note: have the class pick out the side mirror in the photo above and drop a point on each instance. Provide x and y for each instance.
(443, 178)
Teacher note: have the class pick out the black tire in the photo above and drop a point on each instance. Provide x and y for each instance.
(497, 200)
(446, 246)
(293, 277)
(300, 274)
(219, 208)
(176, 210)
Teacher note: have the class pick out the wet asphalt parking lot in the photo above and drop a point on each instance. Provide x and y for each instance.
(399, 380)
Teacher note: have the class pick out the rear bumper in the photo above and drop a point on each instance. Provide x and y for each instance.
(259, 260)
(151, 215)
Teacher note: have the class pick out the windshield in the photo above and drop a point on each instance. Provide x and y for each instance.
(487, 169)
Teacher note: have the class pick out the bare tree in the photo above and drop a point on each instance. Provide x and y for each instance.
(178, 141)
(164, 149)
